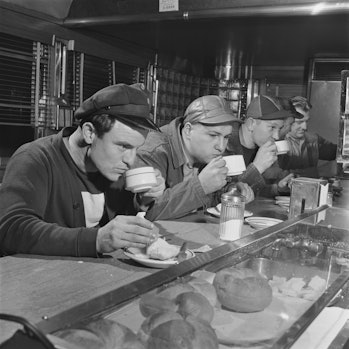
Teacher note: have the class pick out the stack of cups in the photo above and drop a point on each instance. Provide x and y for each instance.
(232, 216)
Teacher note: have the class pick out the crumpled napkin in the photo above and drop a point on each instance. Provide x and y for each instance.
(323, 329)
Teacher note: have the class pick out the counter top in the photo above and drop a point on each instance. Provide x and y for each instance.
(36, 287)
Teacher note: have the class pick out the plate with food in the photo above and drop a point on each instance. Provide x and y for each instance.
(160, 254)
(216, 211)
(247, 329)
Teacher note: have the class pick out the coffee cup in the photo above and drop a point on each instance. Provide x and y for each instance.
(140, 179)
(282, 147)
(235, 163)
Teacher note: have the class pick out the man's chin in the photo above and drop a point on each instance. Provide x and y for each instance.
(113, 177)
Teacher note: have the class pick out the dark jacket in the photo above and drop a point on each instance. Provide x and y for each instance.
(164, 151)
(41, 207)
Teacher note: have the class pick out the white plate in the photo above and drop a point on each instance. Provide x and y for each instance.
(283, 198)
(215, 212)
(249, 329)
(262, 222)
(156, 263)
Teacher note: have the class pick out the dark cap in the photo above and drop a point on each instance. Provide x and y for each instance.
(128, 103)
(209, 110)
(266, 108)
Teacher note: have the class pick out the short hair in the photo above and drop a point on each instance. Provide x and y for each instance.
(301, 102)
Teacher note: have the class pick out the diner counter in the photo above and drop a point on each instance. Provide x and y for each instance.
(38, 287)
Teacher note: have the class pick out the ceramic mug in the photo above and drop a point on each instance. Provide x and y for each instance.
(235, 163)
(282, 147)
(140, 179)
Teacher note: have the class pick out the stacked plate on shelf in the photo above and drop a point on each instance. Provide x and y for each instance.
(283, 201)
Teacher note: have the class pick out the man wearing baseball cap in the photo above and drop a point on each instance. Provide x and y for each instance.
(64, 194)
(255, 140)
(188, 153)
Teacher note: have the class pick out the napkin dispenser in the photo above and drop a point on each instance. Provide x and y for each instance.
(308, 194)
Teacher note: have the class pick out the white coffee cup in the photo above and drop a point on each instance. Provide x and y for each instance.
(140, 179)
(282, 147)
(235, 163)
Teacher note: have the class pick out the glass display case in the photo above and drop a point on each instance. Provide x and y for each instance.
(305, 264)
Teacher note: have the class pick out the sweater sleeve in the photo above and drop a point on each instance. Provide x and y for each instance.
(24, 197)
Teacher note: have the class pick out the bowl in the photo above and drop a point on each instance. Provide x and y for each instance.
(262, 266)
(140, 179)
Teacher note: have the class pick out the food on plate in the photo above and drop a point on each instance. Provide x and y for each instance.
(183, 334)
(101, 334)
(298, 287)
(152, 303)
(205, 288)
(159, 249)
(242, 290)
(195, 304)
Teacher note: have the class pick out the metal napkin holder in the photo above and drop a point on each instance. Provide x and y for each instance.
(307, 194)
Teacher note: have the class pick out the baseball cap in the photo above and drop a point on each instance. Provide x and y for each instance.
(209, 110)
(267, 108)
(128, 103)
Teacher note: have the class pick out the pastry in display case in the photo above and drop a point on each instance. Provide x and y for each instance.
(263, 290)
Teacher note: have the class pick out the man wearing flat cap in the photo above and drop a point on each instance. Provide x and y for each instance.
(188, 152)
(64, 194)
(255, 140)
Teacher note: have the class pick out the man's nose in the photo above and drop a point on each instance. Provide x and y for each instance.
(129, 157)
(221, 144)
(276, 134)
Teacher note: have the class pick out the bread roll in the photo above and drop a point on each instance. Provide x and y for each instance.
(102, 334)
(172, 292)
(151, 303)
(242, 290)
(154, 321)
(206, 337)
(182, 334)
(205, 288)
(82, 338)
(196, 305)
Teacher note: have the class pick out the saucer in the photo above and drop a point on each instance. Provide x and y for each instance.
(214, 211)
(262, 222)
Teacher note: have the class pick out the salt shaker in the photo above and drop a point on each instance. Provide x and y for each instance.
(232, 215)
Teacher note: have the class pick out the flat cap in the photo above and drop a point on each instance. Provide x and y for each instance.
(129, 103)
(209, 110)
(267, 108)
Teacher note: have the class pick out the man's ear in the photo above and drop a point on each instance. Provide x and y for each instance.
(186, 130)
(250, 122)
(88, 132)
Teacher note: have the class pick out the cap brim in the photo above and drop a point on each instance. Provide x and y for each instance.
(138, 122)
(278, 115)
(220, 119)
